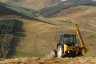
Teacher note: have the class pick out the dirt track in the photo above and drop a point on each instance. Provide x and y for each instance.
(79, 60)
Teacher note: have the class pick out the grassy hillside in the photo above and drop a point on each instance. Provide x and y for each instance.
(41, 37)
(24, 11)
(33, 4)
(38, 38)
(49, 11)
(17, 11)
(78, 12)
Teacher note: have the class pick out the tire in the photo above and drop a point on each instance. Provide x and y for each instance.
(60, 51)
(80, 54)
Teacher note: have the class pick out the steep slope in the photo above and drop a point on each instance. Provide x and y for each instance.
(78, 12)
(41, 37)
(7, 9)
(33, 4)
(50, 11)
(45, 35)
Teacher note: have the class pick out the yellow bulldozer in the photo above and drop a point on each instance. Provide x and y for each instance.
(71, 45)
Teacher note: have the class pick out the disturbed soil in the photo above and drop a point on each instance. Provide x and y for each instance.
(78, 60)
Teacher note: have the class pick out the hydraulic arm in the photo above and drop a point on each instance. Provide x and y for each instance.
(84, 47)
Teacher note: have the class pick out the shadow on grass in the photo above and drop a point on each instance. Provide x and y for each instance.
(18, 33)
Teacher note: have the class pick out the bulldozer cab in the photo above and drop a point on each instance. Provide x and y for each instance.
(68, 39)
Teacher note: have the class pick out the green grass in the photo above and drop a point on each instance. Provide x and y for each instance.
(20, 10)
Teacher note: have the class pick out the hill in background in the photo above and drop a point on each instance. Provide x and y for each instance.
(33, 4)
(39, 4)
(50, 11)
